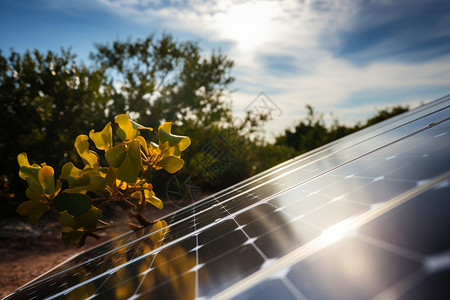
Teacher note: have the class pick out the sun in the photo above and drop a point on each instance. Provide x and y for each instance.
(249, 24)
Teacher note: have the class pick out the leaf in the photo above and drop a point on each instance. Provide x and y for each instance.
(74, 176)
(33, 195)
(116, 155)
(47, 180)
(75, 203)
(171, 164)
(137, 195)
(174, 140)
(84, 180)
(126, 131)
(111, 177)
(102, 139)
(22, 159)
(34, 209)
(143, 143)
(87, 220)
(82, 147)
(31, 175)
(152, 199)
(97, 183)
(138, 126)
(67, 220)
(127, 160)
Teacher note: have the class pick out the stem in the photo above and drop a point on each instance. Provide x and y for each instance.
(93, 235)
(142, 219)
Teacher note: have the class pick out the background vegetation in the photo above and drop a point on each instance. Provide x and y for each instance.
(47, 99)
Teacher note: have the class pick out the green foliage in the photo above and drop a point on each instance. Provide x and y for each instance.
(163, 79)
(46, 98)
(88, 190)
(312, 132)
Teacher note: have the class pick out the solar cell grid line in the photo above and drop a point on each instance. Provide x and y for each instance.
(322, 270)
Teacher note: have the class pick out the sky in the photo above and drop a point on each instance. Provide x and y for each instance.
(346, 58)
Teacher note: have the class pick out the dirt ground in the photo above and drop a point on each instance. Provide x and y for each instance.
(27, 252)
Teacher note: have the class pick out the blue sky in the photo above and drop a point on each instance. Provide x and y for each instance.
(344, 57)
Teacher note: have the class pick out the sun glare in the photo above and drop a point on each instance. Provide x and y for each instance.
(249, 24)
(335, 233)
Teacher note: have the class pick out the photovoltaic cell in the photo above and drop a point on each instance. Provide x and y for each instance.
(363, 217)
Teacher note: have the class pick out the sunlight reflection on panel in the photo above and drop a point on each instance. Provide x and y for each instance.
(335, 233)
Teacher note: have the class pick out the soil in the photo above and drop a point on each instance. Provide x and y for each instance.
(27, 252)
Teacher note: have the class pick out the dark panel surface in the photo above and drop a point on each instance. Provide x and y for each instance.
(402, 254)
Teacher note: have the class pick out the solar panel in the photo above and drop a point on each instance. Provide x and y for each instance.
(363, 217)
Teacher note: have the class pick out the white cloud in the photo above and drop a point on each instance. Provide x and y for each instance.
(305, 32)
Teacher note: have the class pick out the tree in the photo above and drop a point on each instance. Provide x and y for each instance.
(162, 79)
(386, 113)
(312, 132)
(159, 79)
(307, 135)
(46, 99)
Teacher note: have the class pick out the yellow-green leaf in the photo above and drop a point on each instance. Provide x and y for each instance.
(88, 220)
(69, 170)
(67, 220)
(127, 160)
(152, 199)
(167, 126)
(74, 176)
(126, 131)
(174, 140)
(137, 195)
(31, 175)
(110, 178)
(139, 126)
(170, 163)
(47, 180)
(82, 147)
(102, 139)
(97, 183)
(33, 195)
(22, 159)
(116, 155)
(34, 209)
(143, 143)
